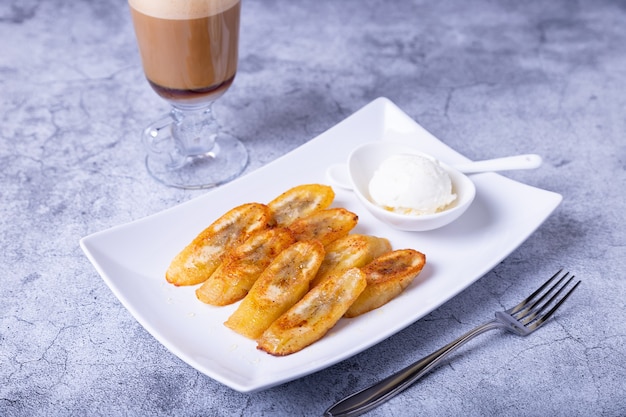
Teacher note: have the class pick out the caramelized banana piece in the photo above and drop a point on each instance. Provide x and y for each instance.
(387, 276)
(300, 201)
(241, 267)
(349, 252)
(325, 225)
(313, 316)
(196, 262)
(282, 284)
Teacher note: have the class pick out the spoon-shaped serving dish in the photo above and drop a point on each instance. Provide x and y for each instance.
(365, 160)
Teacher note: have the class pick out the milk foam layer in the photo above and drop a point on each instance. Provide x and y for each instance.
(181, 9)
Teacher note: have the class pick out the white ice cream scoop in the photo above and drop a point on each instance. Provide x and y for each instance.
(367, 158)
(411, 184)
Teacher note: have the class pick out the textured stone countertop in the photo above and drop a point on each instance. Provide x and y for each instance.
(488, 78)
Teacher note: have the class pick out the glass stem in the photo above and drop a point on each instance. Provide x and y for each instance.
(195, 130)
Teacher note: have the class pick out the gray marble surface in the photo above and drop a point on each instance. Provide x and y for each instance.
(489, 78)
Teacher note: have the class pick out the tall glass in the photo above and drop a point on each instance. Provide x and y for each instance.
(189, 52)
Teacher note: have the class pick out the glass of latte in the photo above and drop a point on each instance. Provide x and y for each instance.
(189, 51)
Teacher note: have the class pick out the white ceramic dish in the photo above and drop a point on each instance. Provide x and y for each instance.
(132, 258)
(366, 159)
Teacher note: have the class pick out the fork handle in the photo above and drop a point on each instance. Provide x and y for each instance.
(368, 398)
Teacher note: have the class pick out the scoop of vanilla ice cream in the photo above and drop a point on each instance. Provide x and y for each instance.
(411, 184)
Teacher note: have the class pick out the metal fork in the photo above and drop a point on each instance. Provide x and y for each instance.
(523, 319)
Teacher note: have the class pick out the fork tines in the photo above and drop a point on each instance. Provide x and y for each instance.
(532, 311)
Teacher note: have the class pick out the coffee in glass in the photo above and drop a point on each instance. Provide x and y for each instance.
(189, 52)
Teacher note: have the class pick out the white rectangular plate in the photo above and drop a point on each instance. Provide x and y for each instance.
(132, 258)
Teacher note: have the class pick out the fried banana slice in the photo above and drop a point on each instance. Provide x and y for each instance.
(387, 276)
(350, 251)
(282, 284)
(300, 201)
(325, 225)
(313, 316)
(196, 262)
(241, 267)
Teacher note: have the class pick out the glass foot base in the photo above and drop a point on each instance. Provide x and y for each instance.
(226, 161)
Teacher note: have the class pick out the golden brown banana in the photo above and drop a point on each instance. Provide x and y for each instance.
(350, 251)
(196, 262)
(387, 276)
(280, 286)
(313, 316)
(325, 225)
(300, 201)
(241, 267)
